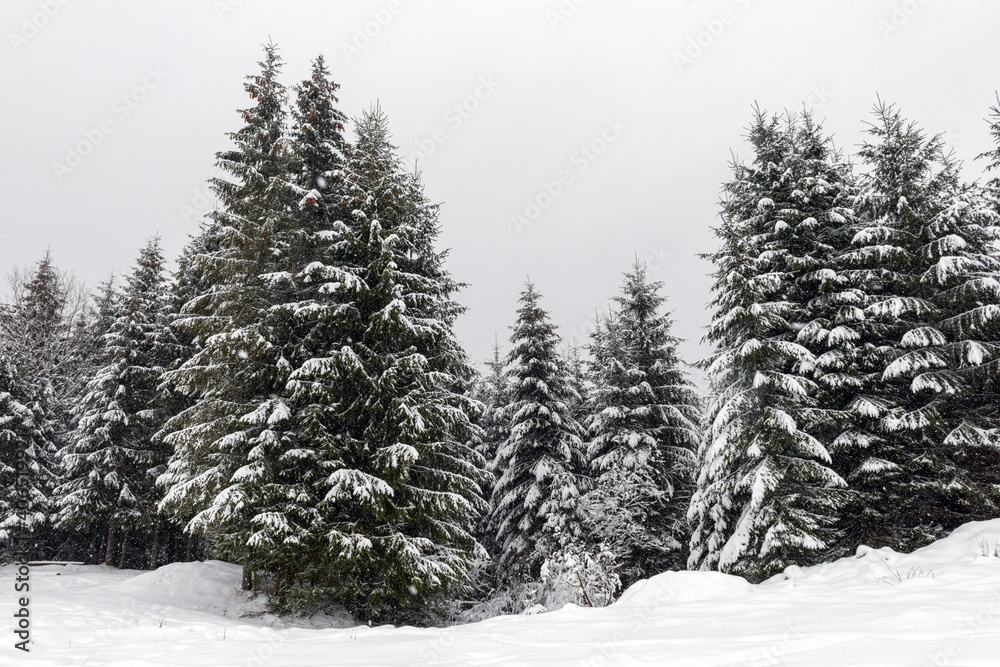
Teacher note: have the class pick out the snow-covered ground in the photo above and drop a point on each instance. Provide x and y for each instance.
(939, 605)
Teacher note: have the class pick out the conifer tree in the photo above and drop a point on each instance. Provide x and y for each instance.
(494, 393)
(25, 448)
(576, 370)
(103, 312)
(644, 431)
(112, 460)
(767, 496)
(404, 488)
(317, 316)
(974, 316)
(226, 441)
(925, 258)
(43, 339)
(539, 466)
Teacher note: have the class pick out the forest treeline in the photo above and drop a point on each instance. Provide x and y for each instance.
(293, 397)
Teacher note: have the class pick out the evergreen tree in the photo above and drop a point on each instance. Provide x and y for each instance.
(923, 256)
(318, 319)
(225, 443)
(404, 488)
(25, 448)
(111, 462)
(767, 496)
(495, 394)
(534, 504)
(103, 312)
(644, 432)
(974, 316)
(43, 338)
(576, 369)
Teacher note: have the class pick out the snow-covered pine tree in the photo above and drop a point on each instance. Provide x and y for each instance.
(110, 465)
(576, 371)
(46, 336)
(226, 442)
(43, 333)
(539, 466)
(319, 147)
(103, 312)
(974, 316)
(400, 493)
(317, 317)
(403, 490)
(494, 392)
(831, 322)
(25, 450)
(767, 496)
(922, 255)
(964, 279)
(643, 430)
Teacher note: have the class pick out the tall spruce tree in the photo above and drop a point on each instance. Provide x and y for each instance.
(576, 370)
(404, 488)
(318, 317)
(225, 443)
(644, 430)
(25, 448)
(831, 321)
(767, 496)
(539, 466)
(924, 256)
(43, 336)
(103, 312)
(974, 309)
(494, 392)
(112, 461)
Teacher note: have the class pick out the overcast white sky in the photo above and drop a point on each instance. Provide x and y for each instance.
(535, 82)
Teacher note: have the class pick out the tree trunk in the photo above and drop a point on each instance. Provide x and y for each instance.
(171, 545)
(247, 572)
(109, 552)
(121, 560)
(187, 555)
(156, 545)
(93, 556)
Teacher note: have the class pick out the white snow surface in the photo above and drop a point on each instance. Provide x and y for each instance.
(937, 606)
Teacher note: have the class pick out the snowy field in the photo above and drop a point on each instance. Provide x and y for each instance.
(937, 606)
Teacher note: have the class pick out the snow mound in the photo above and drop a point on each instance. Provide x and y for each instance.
(674, 587)
(965, 544)
(211, 587)
(951, 556)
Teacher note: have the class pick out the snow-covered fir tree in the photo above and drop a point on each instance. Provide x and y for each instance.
(314, 318)
(576, 370)
(494, 392)
(767, 495)
(404, 488)
(975, 316)
(44, 338)
(539, 467)
(103, 313)
(643, 430)
(225, 442)
(25, 463)
(110, 465)
(926, 260)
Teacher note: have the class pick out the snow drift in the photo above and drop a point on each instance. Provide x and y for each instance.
(937, 606)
